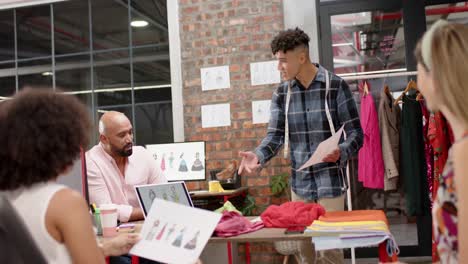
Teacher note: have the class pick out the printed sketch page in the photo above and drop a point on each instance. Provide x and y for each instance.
(174, 233)
(323, 149)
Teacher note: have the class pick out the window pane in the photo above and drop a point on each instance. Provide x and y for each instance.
(73, 75)
(110, 32)
(35, 73)
(154, 123)
(153, 106)
(112, 83)
(34, 31)
(7, 87)
(112, 70)
(368, 41)
(456, 13)
(152, 18)
(7, 37)
(151, 73)
(71, 22)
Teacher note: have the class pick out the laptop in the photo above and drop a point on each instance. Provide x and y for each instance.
(172, 191)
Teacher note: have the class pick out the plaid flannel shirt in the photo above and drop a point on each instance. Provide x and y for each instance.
(308, 126)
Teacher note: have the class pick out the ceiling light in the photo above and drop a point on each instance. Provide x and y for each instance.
(47, 73)
(342, 44)
(138, 23)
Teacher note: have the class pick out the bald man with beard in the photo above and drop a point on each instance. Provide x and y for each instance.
(115, 166)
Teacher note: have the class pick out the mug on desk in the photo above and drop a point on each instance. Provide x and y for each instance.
(108, 219)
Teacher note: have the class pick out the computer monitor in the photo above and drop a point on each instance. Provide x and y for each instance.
(173, 192)
(180, 161)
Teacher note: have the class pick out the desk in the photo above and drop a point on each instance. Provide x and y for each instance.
(262, 235)
(226, 195)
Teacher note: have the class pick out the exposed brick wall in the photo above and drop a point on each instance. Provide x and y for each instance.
(234, 33)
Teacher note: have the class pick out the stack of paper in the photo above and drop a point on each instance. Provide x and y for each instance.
(349, 229)
(332, 235)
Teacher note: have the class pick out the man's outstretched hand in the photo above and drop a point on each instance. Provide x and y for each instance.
(249, 163)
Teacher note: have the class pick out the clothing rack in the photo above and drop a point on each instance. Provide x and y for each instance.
(379, 75)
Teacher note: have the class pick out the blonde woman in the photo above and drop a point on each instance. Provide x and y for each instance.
(442, 56)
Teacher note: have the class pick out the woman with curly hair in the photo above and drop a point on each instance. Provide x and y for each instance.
(41, 133)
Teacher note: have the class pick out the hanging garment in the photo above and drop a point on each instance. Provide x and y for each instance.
(412, 163)
(428, 151)
(370, 164)
(389, 123)
(292, 214)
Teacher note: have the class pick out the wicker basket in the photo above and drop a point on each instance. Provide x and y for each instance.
(287, 247)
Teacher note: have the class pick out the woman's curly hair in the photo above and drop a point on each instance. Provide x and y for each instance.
(288, 40)
(41, 133)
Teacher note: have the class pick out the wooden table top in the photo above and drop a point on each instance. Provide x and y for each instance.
(205, 193)
(262, 235)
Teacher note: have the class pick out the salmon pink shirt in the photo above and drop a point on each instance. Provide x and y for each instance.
(107, 184)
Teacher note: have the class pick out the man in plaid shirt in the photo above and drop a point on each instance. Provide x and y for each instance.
(324, 183)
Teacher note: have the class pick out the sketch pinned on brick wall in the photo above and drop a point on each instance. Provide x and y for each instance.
(213, 78)
(265, 72)
(261, 111)
(216, 115)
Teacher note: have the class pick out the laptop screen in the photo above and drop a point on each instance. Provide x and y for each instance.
(173, 192)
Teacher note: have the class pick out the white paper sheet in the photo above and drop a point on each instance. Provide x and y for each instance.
(174, 233)
(332, 242)
(264, 73)
(213, 78)
(261, 111)
(217, 115)
(323, 149)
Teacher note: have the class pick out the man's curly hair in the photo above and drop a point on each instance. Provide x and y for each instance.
(288, 40)
(41, 133)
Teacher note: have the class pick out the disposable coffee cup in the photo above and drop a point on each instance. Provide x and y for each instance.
(108, 219)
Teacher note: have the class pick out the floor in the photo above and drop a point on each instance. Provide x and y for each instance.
(412, 260)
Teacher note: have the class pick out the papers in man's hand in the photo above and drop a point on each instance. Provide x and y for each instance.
(174, 233)
(323, 149)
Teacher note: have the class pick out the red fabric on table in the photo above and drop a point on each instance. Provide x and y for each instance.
(233, 224)
(292, 214)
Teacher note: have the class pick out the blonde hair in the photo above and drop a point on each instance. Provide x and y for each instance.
(449, 67)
